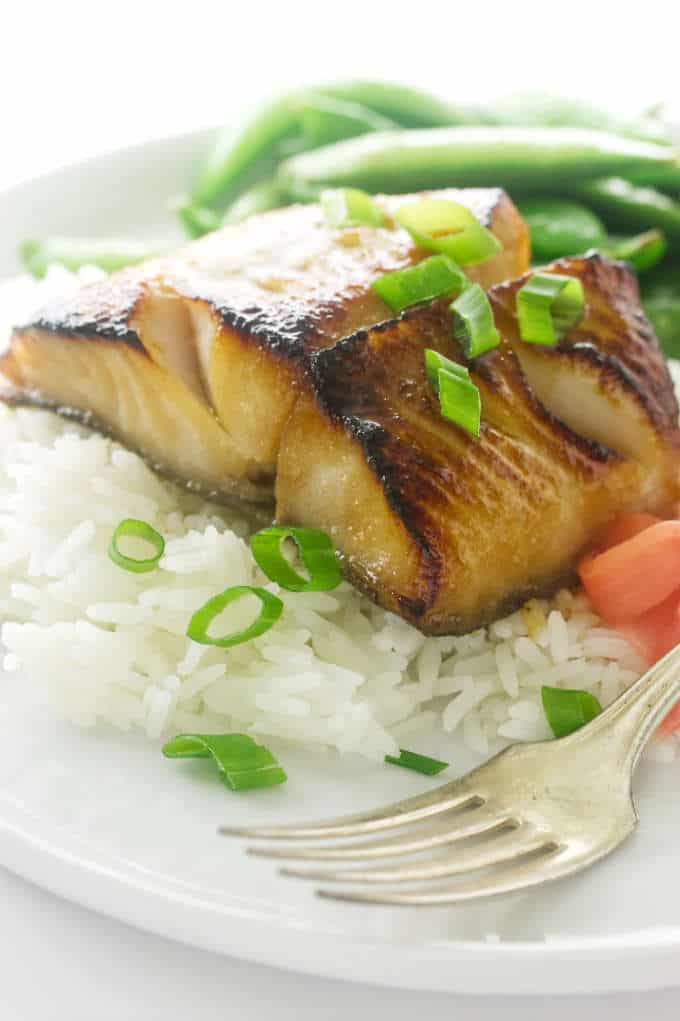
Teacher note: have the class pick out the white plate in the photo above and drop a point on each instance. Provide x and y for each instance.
(106, 821)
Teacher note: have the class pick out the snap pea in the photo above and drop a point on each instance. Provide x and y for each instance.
(664, 282)
(269, 193)
(297, 122)
(408, 106)
(73, 253)
(260, 198)
(237, 152)
(541, 110)
(643, 251)
(312, 118)
(510, 157)
(660, 291)
(626, 206)
(325, 120)
(665, 178)
(664, 315)
(559, 227)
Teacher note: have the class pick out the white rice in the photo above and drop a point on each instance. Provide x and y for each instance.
(335, 671)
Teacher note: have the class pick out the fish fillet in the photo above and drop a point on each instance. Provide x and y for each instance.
(450, 531)
(260, 356)
(196, 360)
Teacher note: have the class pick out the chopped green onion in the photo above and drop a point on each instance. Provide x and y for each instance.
(448, 227)
(642, 251)
(243, 764)
(473, 324)
(548, 306)
(434, 361)
(316, 551)
(271, 610)
(436, 277)
(435, 217)
(419, 763)
(350, 207)
(459, 399)
(460, 402)
(132, 528)
(567, 710)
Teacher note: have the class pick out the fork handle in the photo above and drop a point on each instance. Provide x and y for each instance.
(633, 717)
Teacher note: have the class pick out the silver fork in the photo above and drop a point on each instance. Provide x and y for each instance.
(532, 814)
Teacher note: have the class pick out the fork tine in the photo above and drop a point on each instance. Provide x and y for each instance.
(503, 851)
(521, 875)
(482, 823)
(423, 806)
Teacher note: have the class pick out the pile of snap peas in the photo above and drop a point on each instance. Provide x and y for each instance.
(582, 178)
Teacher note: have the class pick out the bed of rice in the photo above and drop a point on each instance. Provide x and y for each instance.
(335, 671)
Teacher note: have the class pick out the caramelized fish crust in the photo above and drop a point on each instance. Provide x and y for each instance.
(226, 325)
(449, 531)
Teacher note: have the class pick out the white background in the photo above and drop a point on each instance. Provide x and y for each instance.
(79, 78)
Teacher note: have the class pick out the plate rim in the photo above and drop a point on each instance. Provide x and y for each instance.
(101, 155)
(154, 903)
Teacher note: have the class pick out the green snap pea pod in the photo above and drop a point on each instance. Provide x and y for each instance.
(541, 110)
(321, 120)
(560, 227)
(661, 301)
(515, 158)
(277, 126)
(297, 122)
(664, 315)
(73, 253)
(238, 152)
(406, 105)
(259, 199)
(643, 251)
(664, 178)
(627, 206)
(664, 282)
(326, 119)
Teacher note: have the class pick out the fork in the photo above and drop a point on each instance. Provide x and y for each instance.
(532, 814)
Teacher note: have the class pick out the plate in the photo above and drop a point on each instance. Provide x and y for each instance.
(102, 819)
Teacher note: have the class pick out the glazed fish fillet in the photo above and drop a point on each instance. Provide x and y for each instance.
(450, 531)
(197, 360)
(260, 355)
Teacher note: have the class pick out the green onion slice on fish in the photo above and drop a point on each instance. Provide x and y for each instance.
(473, 323)
(434, 361)
(548, 306)
(440, 225)
(436, 277)
(459, 400)
(350, 207)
